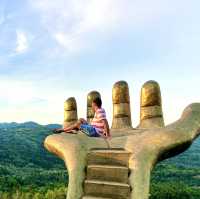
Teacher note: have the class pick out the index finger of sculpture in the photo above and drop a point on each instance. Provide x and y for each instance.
(151, 115)
(91, 96)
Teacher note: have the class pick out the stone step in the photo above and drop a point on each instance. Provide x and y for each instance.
(93, 197)
(107, 189)
(107, 173)
(117, 157)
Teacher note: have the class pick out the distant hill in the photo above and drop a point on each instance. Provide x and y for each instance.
(23, 158)
(21, 144)
(29, 125)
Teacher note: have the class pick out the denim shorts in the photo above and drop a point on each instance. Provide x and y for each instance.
(89, 130)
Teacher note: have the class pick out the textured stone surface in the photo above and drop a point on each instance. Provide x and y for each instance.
(70, 112)
(93, 197)
(151, 114)
(121, 106)
(107, 179)
(107, 189)
(108, 157)
(146, 147)
(108, 173)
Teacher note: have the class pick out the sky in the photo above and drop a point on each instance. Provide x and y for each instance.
(51, 50)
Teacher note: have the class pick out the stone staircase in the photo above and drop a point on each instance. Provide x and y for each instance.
(107, 174)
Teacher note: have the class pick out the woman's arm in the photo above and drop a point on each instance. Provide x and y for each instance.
(106, 128)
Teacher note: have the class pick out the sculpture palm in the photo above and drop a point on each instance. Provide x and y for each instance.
(148, 144)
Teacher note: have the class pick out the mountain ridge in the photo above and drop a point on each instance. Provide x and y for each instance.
(30, 124)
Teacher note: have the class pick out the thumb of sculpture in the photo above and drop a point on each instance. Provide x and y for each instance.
(121, 106)
(90, 97)
(70, 112)
(151, 115)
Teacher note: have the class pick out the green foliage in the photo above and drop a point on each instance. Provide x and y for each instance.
(26, 168)
(58, 192)
(178, 177)
(22, 145)
(173, 190)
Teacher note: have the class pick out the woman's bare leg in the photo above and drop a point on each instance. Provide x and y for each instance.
(72, 127)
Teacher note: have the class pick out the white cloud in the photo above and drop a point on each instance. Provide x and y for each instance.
(68, 42)
(71, 23)
(16, 91)
(2, 19)
(21, 42)
(2, 14)
(25, 100)
(77, 24)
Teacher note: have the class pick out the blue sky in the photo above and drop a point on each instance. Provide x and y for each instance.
(51, 50)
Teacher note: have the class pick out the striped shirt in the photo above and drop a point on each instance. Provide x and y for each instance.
(97, 121)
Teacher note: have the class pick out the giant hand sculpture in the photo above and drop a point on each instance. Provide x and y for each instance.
(146, 145)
